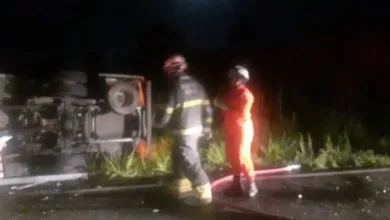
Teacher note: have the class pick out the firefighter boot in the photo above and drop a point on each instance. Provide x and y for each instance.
(236, 189)
(202, 196)
(180, 188)
(252, 187)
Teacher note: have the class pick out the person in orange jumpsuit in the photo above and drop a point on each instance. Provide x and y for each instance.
(236, 104)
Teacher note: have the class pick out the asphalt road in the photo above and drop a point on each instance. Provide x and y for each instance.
(46, 202)
(364, 196)
(355, 197)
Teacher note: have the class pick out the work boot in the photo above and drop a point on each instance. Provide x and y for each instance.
(202, 196)
(236, 189)
(252, 187)
(180, 188)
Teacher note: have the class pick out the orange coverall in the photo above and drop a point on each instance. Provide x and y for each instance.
(238, 128)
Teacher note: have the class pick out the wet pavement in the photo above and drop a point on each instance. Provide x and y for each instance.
(150, 204)
(365, 196)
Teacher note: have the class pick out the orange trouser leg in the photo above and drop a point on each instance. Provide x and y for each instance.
(233, 152)
(245, 150)
(238, 149)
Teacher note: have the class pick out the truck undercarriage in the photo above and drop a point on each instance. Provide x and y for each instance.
(68, 122)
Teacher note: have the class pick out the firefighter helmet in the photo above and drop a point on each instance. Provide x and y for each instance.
(240, 71)
(175, 64)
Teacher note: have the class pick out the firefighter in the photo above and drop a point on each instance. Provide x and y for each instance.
(236, 104)
(187, 114)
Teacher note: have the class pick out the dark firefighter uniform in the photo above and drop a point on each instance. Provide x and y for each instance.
(187, 114)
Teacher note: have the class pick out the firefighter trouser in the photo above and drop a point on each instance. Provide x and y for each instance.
(238, 141)
(186, 160)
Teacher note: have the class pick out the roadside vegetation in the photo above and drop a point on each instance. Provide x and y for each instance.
(334, 140)
(334, 149)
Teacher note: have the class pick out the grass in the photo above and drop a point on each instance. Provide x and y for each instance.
(335, 153)
(133, 164)
(157, 163)
(214, 155)
(283, 150)
(282, 147)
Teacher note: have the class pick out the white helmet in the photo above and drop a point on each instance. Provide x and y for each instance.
(240, 71)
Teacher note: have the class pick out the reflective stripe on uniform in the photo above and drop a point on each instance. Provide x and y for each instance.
(208, 120)
(190, 103)
(167, 109)
(187, 104)
(179, 187)
(179, 183)
(189, 131)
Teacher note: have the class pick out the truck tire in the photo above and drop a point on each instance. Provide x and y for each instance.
(123, 97)
(77, 90)
(72, 75)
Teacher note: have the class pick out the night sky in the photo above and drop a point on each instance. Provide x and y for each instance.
(319, 51)
(51, 34)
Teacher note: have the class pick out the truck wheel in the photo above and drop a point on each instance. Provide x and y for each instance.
(77, 90)
(72, 75)
(123, 98)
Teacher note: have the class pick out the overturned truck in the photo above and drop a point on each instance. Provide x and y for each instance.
(54, 130)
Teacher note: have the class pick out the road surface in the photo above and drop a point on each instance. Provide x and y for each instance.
(45, 203)
(363, 196)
